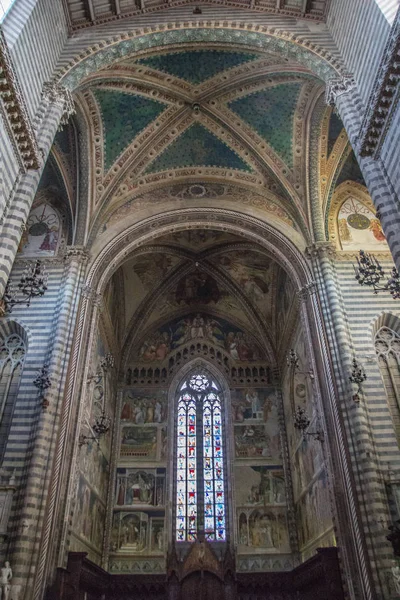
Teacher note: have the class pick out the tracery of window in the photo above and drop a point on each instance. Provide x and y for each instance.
(387, 346)
(12, 355)
(200, 486)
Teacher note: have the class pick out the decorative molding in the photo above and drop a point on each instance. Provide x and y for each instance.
(54, 92)
(274, 8)
(319, 249)
(90, 294)
(78, 253)
(383, 96)
(23, 135)
(337, 86)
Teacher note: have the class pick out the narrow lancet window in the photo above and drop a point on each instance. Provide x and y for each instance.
(200, 483)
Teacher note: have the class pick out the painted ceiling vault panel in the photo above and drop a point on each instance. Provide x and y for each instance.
(197, 147)
(335, 128)
(124, 116)
(270, 112)
(198, 65)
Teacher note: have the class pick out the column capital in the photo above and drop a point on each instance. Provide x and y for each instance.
(77, 253)
(337, 86)
(319, 249)
(91, 295)
(306, 291)
(53, 92)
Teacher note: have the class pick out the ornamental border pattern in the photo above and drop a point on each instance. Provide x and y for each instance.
(23, 135)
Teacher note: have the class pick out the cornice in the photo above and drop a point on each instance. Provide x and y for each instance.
(23, 135)
(384, 96)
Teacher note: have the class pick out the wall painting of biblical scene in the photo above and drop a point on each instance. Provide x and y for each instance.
(42, 233)
(359, 228)
(197, 328)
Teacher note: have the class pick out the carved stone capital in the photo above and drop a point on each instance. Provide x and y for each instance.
(319, 249)
(337, 86)
(54, 92)
(90, 294)
(77, 253)
(305, 292)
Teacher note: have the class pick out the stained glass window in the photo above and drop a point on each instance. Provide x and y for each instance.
(200, 489)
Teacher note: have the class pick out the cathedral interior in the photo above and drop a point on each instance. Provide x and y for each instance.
(200, 313)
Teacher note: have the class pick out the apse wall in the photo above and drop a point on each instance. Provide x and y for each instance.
(143, 501)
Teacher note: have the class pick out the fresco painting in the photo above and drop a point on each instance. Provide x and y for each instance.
(262, 530)
(199, 327)
(251, 404)
(139, 442)
(259, 486)
(359, 228)
(257, 441)
(42, 233)
(313, 511)
(89, 516)
(197, 288)
(252, 272)
(140, 487)
(138, 533)
(144, 406)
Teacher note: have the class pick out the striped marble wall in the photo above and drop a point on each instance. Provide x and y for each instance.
(36, 32)
(9, 167)
(360, 31)
(371, 436)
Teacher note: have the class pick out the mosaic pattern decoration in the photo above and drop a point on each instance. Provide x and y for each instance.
(270, 112)
(124, 117)
(197, 147)
(198, 65)
(200, 494)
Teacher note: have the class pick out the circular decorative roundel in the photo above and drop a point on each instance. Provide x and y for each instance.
(38, 229)
(198, 382)
(358, 221)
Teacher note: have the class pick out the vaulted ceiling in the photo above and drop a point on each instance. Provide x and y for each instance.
(206, 111)
(86, 13)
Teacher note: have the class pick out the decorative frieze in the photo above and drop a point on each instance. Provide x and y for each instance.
(383, 96)
(23, 136)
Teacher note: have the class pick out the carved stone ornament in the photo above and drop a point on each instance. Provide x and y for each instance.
(305, 292)
(383, 96)
(90, 293)
(319, 249)
(20, 128)
(53, 92)
(338, 86)
(78, 253)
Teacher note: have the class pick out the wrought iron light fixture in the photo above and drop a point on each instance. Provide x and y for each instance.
(301, 422)
(100, 427)
(292, 360)
(369, 272)
(42, 382)
(107, 362)
(358, 376)
(33, 283)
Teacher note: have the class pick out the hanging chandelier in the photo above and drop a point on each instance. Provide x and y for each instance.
(369, 272)
(100, 427)
(301, 422)
(33, 283)
(358, 376)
